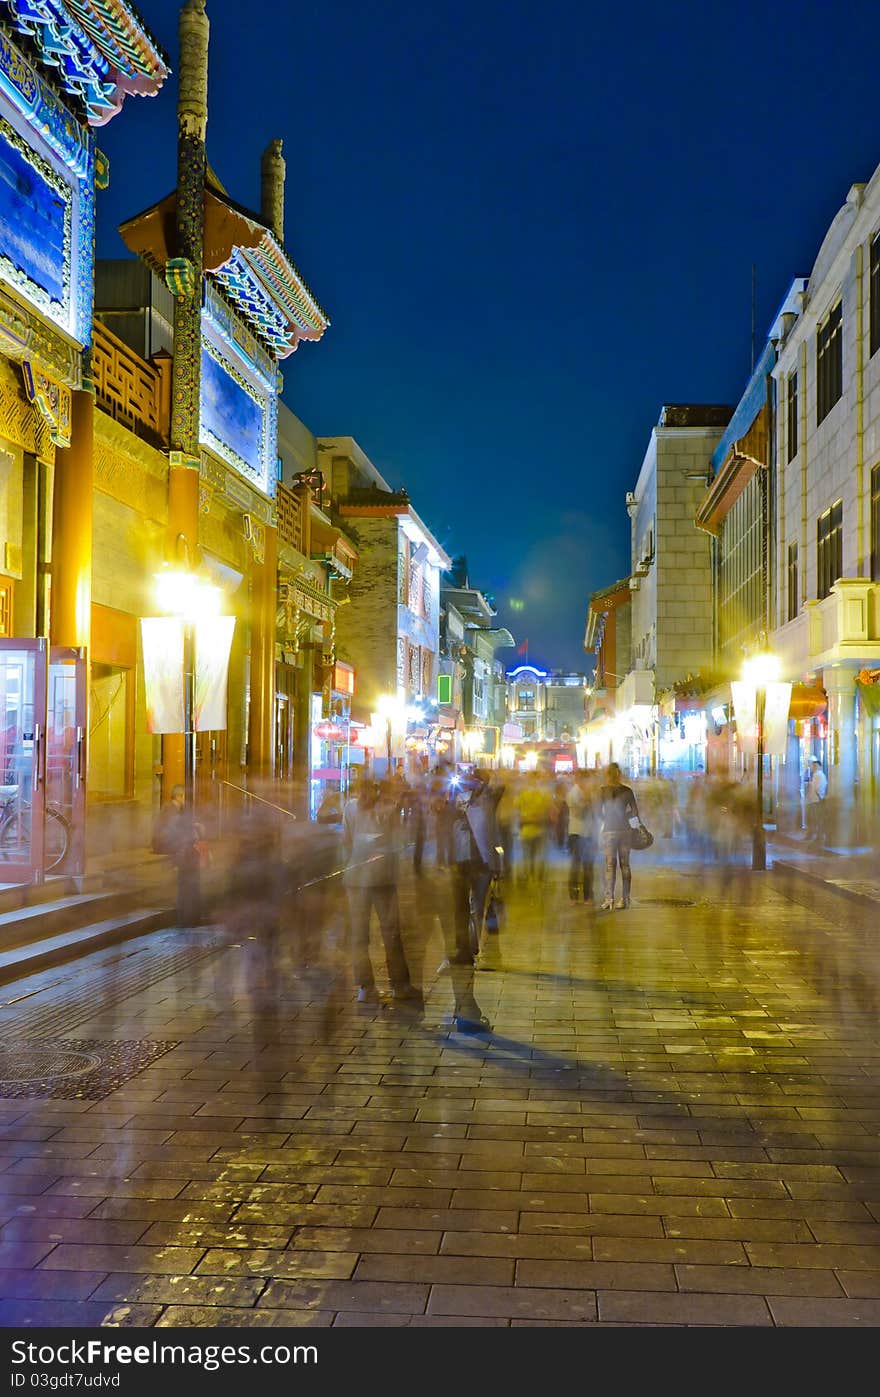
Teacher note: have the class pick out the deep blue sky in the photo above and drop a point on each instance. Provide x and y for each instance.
(531, 224)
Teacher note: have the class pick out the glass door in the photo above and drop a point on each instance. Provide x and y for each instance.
(23, 666)
(64, 849)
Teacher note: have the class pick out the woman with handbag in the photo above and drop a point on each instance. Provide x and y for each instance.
(618, 814)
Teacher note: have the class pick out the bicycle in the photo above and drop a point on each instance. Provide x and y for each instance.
(15, 830)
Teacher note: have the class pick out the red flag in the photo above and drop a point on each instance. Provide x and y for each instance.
(523, 649)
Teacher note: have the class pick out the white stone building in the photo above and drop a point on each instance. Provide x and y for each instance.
(671, 580)
(827, 589)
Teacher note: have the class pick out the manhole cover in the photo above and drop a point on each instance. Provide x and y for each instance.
(69, 1067)
(668, 901)
(22, 1063)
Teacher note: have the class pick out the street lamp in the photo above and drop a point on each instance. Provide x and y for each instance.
(759, 672)
(191, 600)
(391, 709)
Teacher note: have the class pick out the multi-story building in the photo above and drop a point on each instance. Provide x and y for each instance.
(59, 79)
(671, 582)
(608, 637)
(470, 648)
(391, 628)
(545, 709)
(826, 598)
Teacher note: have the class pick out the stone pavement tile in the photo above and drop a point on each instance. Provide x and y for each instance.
(659, 1308)
(670, 1205)
(49, 1285)
(305, 1215)
(13, 1185)
(22, 1255)
(739, 1229)
(430, 1270)
(73, 1256)
(816, 1314)
(834, 1211)
(595, 1275)
(512, 1302)
(365, 1240)
(107, 1186)
(753, 1153)
(294, 1264)
(246, 1191)
(377, 1297)
(179, 1290)
(452, 1178)
(159, 1210)
(671, 1249)
(212, 1234)
(449, 1219)
(838, 1256)
(73, 1314)
(816, 1173)
(563, 1156)
(212, 1171)
(484, 1244)
(757, 1280)
(43, 1206)
(522, 1200)
(219, 1317)
(860, 1283)
(93, 1230)
(859, 1233)
(385, 1197)
(722, 1188)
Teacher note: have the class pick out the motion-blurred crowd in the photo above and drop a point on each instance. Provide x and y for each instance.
(435, 854)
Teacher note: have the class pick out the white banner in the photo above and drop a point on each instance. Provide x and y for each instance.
(162, 638)
(213, 643)
(776, 706)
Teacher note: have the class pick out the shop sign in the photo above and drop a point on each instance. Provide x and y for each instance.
(329, 732)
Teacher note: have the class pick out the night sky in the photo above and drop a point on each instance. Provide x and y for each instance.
(531, 225)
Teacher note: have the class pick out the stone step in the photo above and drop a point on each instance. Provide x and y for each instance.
(49, 951)
(44, 919)
(13, 895)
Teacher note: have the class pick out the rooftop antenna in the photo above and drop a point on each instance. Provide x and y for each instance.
(754, 279)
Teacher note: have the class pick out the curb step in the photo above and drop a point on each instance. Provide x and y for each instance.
(865, 896)
(52, 918)
(50, 951)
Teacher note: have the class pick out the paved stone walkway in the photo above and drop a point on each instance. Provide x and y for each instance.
(675, 1122)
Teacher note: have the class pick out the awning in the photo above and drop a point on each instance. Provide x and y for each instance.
(807, 701)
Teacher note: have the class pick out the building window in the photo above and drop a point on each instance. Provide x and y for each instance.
(875, 524)
(793, 598)
(526, 700)
(829, 362)
(792, 405)
(829, 537)
(875, 293)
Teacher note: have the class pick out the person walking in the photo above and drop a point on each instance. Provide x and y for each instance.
(618, 813)
(581, 836)
(533, 807)
(178, 837)
(815, 792)
(370, 838)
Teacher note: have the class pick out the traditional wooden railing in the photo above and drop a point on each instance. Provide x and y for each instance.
(291, 506)
(129, 388)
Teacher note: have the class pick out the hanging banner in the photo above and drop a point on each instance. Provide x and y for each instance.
(162, 638)
(213, 643)
(776, 705)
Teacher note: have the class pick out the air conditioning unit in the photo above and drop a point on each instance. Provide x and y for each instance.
(630, 498)
(634, 584)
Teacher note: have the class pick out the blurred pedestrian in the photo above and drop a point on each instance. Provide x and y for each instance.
(815, 793)
(581, 836)
(177, 836)
(619, 814)
(533, 806)
(370, 841)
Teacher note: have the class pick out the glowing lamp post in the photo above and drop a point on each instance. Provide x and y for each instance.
(192, 602)
(392, 711)
(759, 673)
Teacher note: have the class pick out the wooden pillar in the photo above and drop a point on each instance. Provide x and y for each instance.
(182, 541)
(261, 737)
(70, 614)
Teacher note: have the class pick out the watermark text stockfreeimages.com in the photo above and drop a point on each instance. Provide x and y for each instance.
(99, 1353)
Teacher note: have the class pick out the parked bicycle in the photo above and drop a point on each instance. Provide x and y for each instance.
(15, 830)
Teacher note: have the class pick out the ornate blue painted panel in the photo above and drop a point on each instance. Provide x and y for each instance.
(233, 416)
(35, 214)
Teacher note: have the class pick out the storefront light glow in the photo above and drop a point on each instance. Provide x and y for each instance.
(760, 670)
(183, 594)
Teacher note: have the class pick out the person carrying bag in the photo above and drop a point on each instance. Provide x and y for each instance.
(619, 819)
